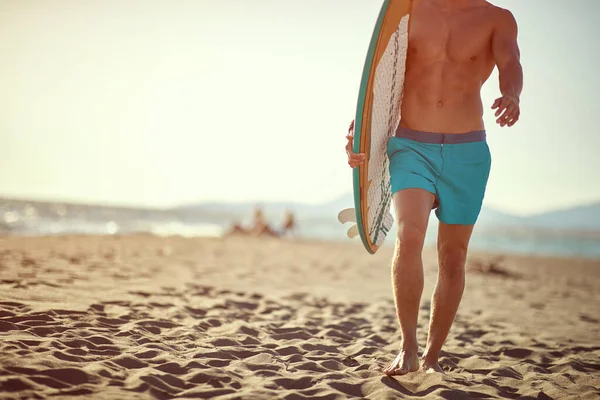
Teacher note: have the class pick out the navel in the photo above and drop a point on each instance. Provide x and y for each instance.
(473, 58)
(440, 103)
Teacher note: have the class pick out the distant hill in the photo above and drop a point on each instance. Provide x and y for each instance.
(490, 217)
(586, 217)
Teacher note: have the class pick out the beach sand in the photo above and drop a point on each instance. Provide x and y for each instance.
(141, 317)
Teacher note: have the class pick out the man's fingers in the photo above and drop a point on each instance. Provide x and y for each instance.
(349, 143)
(507, 111)
(503, 120)
(514, 119)
(500, 110)
(508, 114)
(503, 103)
(502, 106)
(355, 163)
(509, 119)
(496, 102)
(354, 160)
(349, 148)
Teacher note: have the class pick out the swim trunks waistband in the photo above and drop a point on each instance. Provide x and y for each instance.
(440, 138)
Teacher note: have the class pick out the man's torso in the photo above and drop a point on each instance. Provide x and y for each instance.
(449, 59)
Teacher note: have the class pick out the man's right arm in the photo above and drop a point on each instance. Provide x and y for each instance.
(505, 50)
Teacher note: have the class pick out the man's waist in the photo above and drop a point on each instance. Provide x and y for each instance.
(440, 137)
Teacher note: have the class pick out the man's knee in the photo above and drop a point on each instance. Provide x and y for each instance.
(452, 258)
(410, 236)
(453, 242)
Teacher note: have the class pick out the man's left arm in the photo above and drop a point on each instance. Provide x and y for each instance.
(507, 56)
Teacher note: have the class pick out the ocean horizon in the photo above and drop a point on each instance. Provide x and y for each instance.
(29, 218)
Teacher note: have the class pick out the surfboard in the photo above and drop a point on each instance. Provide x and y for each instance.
(376, 120)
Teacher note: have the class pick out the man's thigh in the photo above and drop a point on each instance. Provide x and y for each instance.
(413, 207)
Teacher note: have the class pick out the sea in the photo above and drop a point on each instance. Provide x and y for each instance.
(34, 218)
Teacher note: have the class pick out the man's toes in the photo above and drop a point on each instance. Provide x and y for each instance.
(400, 371)
(391, 370)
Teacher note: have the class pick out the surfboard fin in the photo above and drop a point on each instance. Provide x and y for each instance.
(353, 231)
(347, 215)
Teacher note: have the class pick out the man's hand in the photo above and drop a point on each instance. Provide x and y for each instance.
(508, 110)
(354, 160)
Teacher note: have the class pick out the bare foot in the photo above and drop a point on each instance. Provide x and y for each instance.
(431, 367)
(404, 363)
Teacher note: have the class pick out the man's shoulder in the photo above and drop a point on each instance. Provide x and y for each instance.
(500, 18)
(501, 15)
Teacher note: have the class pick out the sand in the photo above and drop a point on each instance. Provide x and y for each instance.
(141, 317)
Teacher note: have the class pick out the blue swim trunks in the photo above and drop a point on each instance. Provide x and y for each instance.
(454, 167)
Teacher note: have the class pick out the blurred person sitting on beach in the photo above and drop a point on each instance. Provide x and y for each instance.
(289, 223)
(237, 229)
(259, 219)
(453, 48)
(259, 226)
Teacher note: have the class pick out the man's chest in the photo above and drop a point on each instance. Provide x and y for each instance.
(457, 36)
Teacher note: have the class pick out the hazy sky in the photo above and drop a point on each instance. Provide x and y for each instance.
(166, 102)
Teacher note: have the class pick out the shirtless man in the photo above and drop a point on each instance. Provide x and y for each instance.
(439, 158)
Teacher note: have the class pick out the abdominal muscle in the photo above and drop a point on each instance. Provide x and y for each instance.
(443, 97)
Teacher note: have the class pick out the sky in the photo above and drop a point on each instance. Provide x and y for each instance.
(158, 103)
